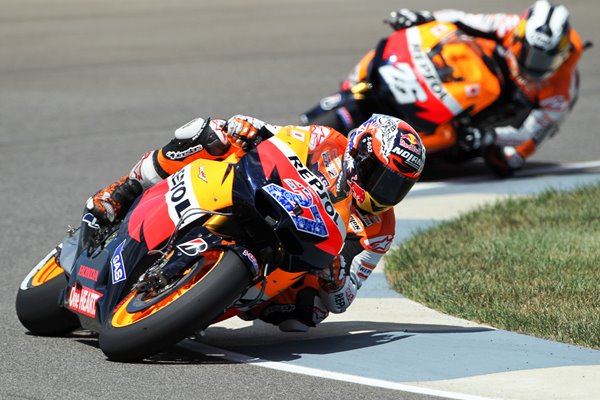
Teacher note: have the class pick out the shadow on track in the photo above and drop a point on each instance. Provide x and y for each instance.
(273, 345)
(476, 170)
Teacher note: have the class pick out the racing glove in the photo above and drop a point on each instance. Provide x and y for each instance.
(472, 139)
(405, 18)
(244, 131)
(337, 286)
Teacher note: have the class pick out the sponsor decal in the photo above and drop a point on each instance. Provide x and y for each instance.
(410, 142)
(329, 166)
(202, 174)
(301, 136)
(193, 247)
(368, 219)
(403, 83)
(294, 202)
(178, 195)
(410, 158)
(136, 172)
(358, 192)
(330, 102)
(354, 225)
(379, 244)
(308, 184)
(320, 175)
(364, 271)
(346, 117)
(317, 185)
(179, 155)
(340, 300)
(117, 266)
(344, 298)
(337, 160)
(217, 127)
(84, 300)
(555, 103)
(424, 65)
(318, 135)
(252, 259)
(90, 221)
(472, 90)
(88, 273)
(409, 87)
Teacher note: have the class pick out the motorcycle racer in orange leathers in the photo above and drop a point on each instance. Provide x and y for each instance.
(366, 174)
(541, 51)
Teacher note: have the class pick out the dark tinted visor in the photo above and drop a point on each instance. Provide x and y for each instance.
(386, 186)
(537, 62)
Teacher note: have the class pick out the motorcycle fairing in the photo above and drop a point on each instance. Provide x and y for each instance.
(292, 155)
(291, 198)
(414, 81)
(181, 199)
(90, 293)
(436, 75)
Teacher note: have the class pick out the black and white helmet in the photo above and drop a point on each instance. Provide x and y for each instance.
(541, 40)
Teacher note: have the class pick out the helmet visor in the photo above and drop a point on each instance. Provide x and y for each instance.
(386, 186)
(537, 63)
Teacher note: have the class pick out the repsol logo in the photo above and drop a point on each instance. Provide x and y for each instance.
(317, 185)
(428, 71)
(178, 193)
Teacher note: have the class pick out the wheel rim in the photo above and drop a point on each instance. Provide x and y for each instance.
(122, 317)
(49, 270)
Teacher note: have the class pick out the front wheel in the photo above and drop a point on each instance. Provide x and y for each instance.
(39, 297)
(141, 325)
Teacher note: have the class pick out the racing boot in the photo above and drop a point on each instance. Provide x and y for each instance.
(112, 203)
(292, 310)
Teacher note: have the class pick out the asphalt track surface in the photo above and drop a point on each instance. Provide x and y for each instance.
(86, 88)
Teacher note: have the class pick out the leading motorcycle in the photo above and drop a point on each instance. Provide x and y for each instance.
(435, 77)
(211, 241)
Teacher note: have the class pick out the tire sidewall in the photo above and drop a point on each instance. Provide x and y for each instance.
(195, 309)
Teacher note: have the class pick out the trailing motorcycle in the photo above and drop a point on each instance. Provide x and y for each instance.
(435, 77)
(211, 241)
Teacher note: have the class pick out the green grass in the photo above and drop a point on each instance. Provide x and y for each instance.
(529, 265)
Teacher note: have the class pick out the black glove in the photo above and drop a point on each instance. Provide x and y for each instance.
(472, 139)
(405, 18)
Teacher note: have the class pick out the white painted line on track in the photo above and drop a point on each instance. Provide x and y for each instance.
(569, 166)
(526, 173)
(212, 351)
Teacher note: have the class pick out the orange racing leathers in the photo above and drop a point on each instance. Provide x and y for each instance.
(369, 236)
(527, 111)
(550, 99)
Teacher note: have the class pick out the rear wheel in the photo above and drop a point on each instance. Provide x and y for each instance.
(142, 325)
(39, 298)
